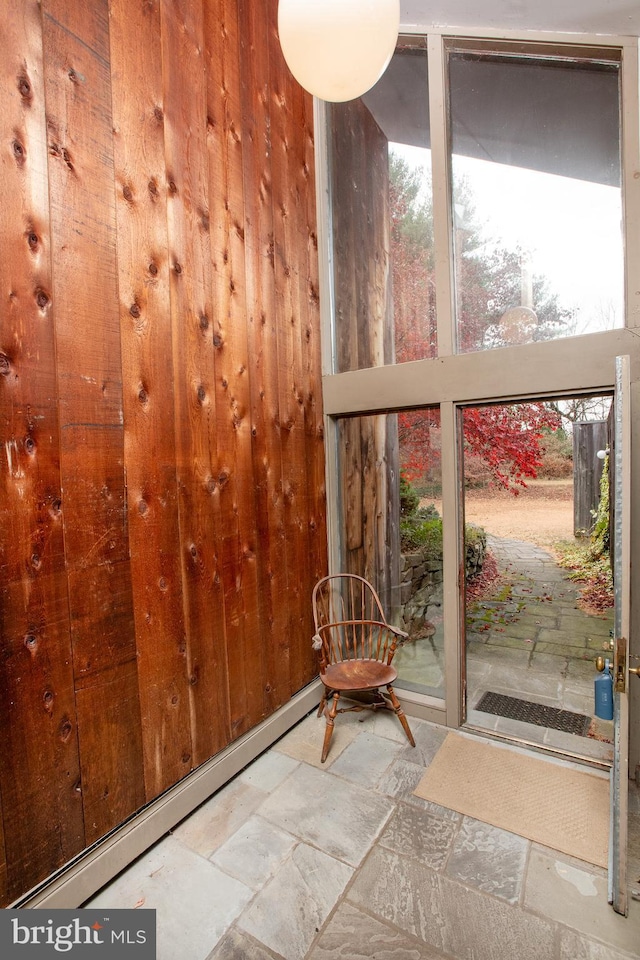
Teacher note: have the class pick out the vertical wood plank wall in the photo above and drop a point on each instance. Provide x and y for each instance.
(162, 514)
(367, 446)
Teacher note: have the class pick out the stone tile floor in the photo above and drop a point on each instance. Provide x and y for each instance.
(297, 860)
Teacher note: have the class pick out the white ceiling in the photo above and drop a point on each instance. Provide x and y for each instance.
(617, 17)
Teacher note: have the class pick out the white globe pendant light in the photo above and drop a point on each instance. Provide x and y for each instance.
(338, 49)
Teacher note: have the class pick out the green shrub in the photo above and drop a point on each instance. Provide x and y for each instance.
(599, 538)
(472, 534)
(425, 535)
(409, 498)
(421, 527)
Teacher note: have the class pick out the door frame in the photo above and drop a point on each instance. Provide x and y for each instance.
(621, 499)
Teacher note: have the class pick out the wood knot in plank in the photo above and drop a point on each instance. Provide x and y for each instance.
(61, 153)
(66, 729)
(42, 298)
(19, 151)
(31, 643)
(24, 88)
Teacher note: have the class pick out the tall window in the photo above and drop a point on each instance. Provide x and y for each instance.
(383, 219)
(537, 207)
(536, 202)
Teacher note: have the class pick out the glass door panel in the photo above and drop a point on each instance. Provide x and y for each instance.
(539, 610)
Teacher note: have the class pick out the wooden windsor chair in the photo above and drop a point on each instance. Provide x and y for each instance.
(356, 646)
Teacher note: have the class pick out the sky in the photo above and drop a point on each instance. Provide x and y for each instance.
(572, 229)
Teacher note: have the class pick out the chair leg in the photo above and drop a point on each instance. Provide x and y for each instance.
(331, 716)
(323, 701)
(400, 714)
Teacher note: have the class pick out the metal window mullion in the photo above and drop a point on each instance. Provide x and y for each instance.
(442, 220)
(324, 228)
(453, 563)
(630, 156)
(324, 232)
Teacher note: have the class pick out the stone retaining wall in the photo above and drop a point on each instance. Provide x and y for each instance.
(421, 584)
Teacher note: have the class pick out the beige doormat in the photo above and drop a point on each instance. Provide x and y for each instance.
(555, 805)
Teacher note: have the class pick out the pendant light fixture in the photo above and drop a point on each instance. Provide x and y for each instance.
(338, 49)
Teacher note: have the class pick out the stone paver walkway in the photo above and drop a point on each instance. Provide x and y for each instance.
(533, 641)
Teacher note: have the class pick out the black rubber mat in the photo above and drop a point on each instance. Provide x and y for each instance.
(516, 709)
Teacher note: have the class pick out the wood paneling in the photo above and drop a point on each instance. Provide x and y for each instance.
(290, 279)
(39, 759)
(262, 348)
(197, 413)
(162, 520)
(141, 189)
(237, 546)
(89, 392)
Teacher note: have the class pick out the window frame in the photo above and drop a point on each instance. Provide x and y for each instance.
(562, 367)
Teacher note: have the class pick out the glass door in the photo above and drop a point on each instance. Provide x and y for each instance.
(538, 583)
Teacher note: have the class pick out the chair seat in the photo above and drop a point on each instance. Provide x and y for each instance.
(358, 675)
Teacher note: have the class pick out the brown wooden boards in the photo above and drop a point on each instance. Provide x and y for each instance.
(161, 462)
(196, 412)
(81, 173)
(233, 372)
(263, 349)
(39, 759)
(148, 394)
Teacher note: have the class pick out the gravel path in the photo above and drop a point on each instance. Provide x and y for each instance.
(542, 513)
